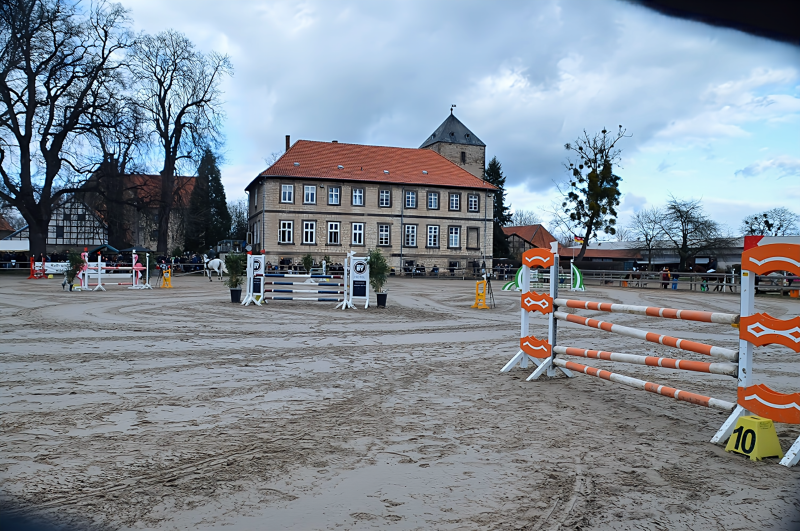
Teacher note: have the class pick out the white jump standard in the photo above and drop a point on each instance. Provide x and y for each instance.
(761, 257)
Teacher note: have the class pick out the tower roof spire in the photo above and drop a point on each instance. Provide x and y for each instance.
(452, 131)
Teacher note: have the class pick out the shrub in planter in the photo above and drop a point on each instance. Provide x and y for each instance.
(235, 263)
(378, 271)
(308, 262)
(76, 263)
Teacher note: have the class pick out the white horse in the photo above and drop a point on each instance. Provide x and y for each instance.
(214, 265)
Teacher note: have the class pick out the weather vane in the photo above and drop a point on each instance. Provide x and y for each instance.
(453, 106)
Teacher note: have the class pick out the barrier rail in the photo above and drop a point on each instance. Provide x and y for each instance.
(761, 257)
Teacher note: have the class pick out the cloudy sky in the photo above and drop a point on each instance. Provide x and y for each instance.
(714, 114)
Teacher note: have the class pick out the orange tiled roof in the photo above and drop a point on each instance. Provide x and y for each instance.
(148, 188)
(5, 225)
(321, 160)
(536, 235)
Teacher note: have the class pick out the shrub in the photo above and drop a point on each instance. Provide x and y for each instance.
(235, 263)
(378, 270)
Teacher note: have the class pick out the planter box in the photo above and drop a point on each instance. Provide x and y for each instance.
(236, 294)
(381, 299)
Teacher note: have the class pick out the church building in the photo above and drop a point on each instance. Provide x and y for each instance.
(426, 208)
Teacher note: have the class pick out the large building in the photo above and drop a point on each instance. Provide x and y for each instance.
(129, 206)
(73, 226)
(421, 208)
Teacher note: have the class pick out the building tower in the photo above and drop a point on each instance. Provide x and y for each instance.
(455, 142)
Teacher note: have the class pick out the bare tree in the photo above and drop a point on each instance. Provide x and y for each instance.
(690, 231)
(593, 195)
(521, 218)
(776, 222)
(646, 228)
(57, 63)
(178, 90)
(239, 223)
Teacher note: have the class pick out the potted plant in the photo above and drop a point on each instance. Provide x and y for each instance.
(235, 263)
(76, 263)
(308, 262)
(378, 271)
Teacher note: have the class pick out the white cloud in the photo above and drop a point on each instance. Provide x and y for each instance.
(527, 78)
(785, 165)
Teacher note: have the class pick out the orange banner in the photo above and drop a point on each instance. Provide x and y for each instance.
(536, 302)
(537, 258)
(773, 257)
(534, 347)
(770, 404)
(763, 329)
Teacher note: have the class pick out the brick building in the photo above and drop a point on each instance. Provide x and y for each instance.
(418, 207)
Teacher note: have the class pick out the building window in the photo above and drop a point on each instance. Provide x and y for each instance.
(255, 198)
(286, 232)
(309, 232)
(309, 194)
(358, 197)
(433, 200)
(433, 236)
(59, 231)
(287, 193)
(358, 234)
(473, 203)
(383, 235)
(463, 157)
(385, 198)
(411, 199)
(455, 238)
(334, 195)
(455, 201)
(334, 228)
(473, 238)
(410, 239)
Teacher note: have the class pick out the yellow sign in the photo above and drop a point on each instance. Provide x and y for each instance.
(167, 278)
(480, 295)
(755, 437)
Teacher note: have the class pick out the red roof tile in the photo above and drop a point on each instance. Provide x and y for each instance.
(321, 160)
(632, 254)
(5, 225)
(536, 235)
(148, 188)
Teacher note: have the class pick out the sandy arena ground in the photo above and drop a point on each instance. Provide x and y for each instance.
(174, 409)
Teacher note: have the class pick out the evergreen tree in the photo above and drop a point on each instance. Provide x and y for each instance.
(209, 220)
(502, 215)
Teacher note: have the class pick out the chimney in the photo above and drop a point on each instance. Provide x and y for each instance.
(288, 142)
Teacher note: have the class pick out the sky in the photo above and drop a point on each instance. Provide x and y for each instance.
(712, 113)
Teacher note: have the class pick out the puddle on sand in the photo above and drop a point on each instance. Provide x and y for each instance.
(123, 421)
(388, 493)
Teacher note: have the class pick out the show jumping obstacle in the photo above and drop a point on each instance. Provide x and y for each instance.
(313, 287)
(131, 274)
(761, 256)
(38, 272)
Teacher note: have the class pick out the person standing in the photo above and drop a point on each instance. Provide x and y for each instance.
(665, 278)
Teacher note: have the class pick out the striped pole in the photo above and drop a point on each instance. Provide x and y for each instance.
(683, 344)
(319, 299)
(322, 291)
(651, 311)
(663, 390)
(278, 283)
(728, 369)
(293, 275)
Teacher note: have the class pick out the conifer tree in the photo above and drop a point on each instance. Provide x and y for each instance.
(502, 215)
(209, 220)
